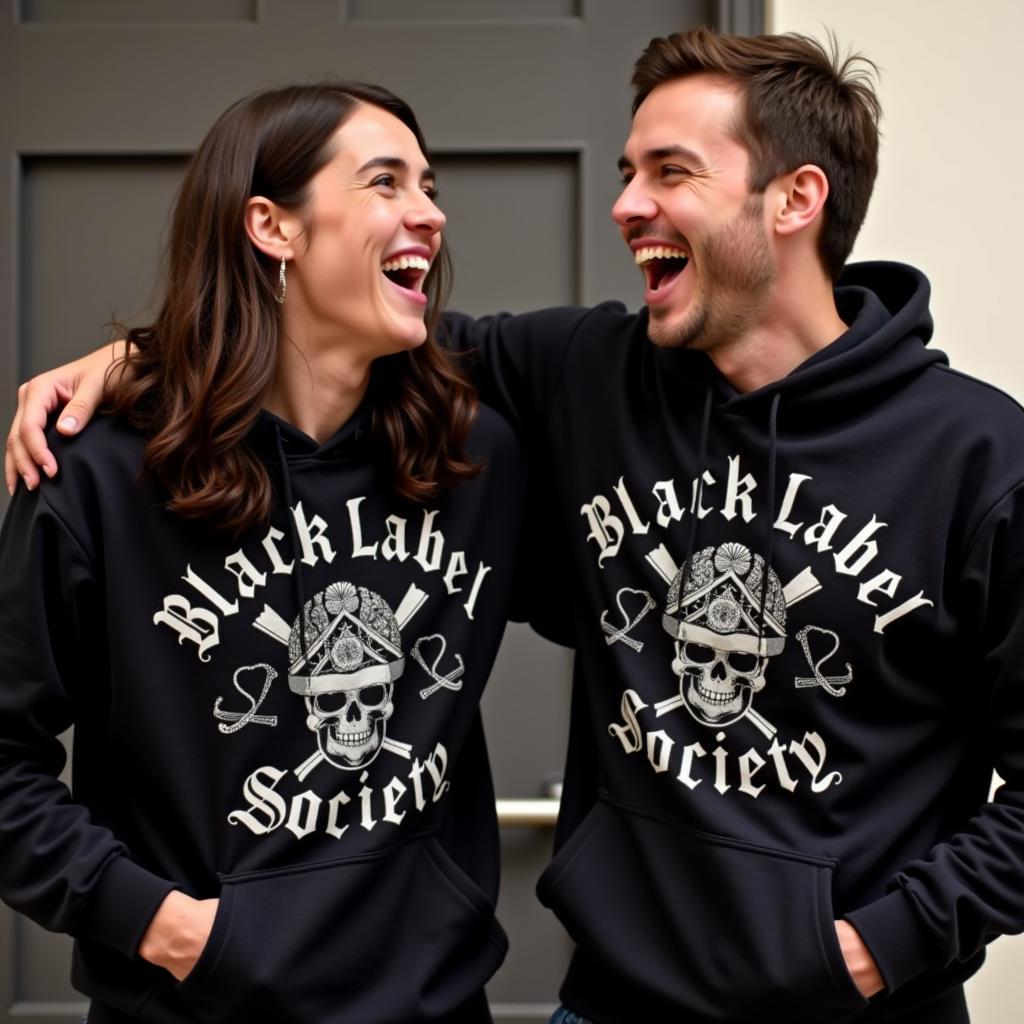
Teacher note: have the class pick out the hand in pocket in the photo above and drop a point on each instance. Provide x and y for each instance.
(178, 933)
(859, 961)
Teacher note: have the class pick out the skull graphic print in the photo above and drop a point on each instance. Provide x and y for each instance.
(345, 655)
(724, 635)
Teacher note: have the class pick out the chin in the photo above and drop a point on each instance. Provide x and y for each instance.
(414, 339)
(661, 333)
(399, 337)
(676, 331)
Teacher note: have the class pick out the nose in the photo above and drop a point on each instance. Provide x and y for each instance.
(718, 670)
(353, 713)
(424, 215)
(634, 205)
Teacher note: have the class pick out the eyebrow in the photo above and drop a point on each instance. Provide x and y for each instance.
(651, 155)
(395, 163)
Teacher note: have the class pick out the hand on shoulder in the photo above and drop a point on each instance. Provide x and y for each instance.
(79, 385)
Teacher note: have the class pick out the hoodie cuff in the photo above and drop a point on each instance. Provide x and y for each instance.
(122, 905)
(892, 931)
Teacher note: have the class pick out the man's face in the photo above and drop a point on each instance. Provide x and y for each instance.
(695, 229)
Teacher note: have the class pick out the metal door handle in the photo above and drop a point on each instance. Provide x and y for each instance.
(541, 813)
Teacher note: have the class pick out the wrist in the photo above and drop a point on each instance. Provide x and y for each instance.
(859, 961)
(178, 933)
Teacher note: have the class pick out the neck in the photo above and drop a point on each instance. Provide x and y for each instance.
(785, 335)
(317, 385)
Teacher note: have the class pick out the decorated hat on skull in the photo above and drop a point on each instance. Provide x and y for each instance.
(715, 599)
(351, 637)
(344, 659)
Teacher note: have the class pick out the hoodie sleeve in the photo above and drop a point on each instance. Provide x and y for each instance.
(57, 866)
(519, 364)
(970, 889)
(517, 361)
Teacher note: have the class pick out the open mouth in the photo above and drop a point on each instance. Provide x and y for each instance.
(408, 273)
(660, 264)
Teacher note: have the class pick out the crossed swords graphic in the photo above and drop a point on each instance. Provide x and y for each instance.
(803, 585)
(663, 707)
(620, 634)
(388, 744)
(450, 681)
(835, 686)
(274, 626)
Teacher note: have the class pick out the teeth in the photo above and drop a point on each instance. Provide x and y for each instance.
(715, 696)
(352, 739)
(659, 252)
(406, 263)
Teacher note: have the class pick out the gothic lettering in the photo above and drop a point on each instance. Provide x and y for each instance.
(270, 806)
(606, 529)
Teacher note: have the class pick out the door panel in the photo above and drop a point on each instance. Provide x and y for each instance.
(525, 104)
(103, 266)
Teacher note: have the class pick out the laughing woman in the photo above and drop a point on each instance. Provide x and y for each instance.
(266, 593)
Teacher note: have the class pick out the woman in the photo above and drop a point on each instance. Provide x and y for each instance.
(266, 594)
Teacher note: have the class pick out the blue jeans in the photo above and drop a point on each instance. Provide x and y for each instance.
(564, 1016)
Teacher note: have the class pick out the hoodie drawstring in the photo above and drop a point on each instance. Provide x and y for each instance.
(286, 482)
(773, 424)
(702, 451)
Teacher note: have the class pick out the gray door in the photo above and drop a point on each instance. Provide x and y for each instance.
(525, 104)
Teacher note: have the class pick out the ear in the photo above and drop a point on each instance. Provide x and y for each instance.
(271, 228)
(799, 199)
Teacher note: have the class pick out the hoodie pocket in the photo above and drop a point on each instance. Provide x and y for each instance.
(714, 927)
(404, 936)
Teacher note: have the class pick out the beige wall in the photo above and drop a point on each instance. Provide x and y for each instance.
(948, 200)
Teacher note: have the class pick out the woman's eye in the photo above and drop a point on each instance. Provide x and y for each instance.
(385, 180)
(431, 192)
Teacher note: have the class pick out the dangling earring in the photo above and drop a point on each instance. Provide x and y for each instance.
(282, 284)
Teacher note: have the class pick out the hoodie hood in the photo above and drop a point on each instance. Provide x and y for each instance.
(348, 442)
(885, 306)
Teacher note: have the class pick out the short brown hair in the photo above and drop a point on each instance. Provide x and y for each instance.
(801, 104)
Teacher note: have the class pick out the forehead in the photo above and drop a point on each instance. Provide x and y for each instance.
(371, 132)
(697, 113)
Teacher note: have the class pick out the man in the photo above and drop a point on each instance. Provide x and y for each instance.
(792, 550)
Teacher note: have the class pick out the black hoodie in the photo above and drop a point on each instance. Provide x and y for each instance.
(326, 778)
(799, 615)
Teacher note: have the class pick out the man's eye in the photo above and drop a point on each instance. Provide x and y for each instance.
(626, 178)
(669, 170)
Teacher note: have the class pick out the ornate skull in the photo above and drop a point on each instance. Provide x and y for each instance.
(722, 639)
(349, 724)
(717, 685)
(345, 658)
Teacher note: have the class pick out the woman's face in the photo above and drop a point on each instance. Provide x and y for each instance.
(372, 233)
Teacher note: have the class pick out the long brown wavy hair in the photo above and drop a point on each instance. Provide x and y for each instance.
(200, 372)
